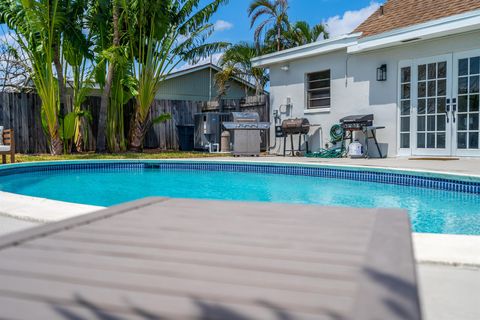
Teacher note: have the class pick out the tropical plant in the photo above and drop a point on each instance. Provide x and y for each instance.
(77, 60)
(162, 33)
(236, 63)
(276, 18)
(106, 19)
(297, 34)
(35, 23)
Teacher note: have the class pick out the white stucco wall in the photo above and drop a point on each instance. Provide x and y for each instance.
(354, 89)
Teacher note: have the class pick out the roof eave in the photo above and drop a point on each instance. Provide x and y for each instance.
(308, 50)
(433, 29)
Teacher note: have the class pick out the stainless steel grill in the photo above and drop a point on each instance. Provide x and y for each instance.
(246, 127)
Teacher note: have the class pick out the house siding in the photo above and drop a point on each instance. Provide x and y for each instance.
(195, 87)
(354, 89)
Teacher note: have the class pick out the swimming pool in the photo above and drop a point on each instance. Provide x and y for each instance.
(429, 199)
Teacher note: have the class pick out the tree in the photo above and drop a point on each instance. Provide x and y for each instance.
(276, 17)
(301, 33)
(236, 62)
(15, 72)
(35, 23)
(162, 33)
(111, 59)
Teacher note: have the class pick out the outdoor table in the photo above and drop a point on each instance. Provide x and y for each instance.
(189, 259)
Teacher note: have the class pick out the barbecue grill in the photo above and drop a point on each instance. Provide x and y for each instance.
(295, 126)
(363, 123)
(291, 127)
(357, 122)
(246, 127)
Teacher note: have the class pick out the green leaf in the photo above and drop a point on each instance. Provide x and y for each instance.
(67, 126)
(162, 118)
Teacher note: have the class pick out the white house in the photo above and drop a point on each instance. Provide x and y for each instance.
(429, 101)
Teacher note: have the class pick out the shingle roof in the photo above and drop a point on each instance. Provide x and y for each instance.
(404, 13)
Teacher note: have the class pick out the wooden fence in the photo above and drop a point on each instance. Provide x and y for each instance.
(21, 112)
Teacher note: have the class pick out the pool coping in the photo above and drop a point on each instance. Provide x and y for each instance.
(40, 210)
(381, 169)
(445, 249)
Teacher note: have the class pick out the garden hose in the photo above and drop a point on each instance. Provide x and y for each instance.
(336, 135)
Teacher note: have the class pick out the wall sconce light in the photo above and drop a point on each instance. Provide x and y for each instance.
(382, 73)
(285, 67)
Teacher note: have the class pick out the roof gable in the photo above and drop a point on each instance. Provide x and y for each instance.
(397, 14)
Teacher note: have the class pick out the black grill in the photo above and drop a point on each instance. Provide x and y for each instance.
(357, 121)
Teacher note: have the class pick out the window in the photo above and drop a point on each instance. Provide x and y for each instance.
(318, 90)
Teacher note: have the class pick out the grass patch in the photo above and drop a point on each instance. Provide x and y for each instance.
(100, 156)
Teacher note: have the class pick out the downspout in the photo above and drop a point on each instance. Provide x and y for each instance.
(210, 81)
(346, 70)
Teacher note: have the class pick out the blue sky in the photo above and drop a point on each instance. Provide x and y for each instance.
(234, 24)
(341, 16)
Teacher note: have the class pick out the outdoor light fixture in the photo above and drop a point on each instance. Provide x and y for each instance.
(285, 67)
(382, 73)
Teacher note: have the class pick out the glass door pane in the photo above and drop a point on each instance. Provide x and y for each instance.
(405, 106)
(467, 110)
(431, 115)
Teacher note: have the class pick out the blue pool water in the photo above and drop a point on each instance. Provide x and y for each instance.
(432, 211)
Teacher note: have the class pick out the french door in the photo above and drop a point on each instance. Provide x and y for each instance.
(466, 110)
(439, 105)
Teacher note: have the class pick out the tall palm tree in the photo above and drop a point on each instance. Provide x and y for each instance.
(301, 33)
(162, 33)
(236, 62)
(112, 59)
(275, 15)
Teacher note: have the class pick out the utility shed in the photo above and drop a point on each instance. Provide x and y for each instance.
(191, 259)
(198, 84)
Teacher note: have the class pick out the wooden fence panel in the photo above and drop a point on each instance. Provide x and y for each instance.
(22, 112)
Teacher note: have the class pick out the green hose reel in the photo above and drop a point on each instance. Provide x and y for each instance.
(336, 136)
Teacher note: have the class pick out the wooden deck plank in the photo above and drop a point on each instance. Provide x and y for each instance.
(115, 294)
(100, 303)
(203, 258)
(191, 259)
(246, 250)
(251, 237)
(52, 310)
(266, 243)
(185, 270)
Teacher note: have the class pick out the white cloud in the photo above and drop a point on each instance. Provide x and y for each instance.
(340, 25)
(222, 25)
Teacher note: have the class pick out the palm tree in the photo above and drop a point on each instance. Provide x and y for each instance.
(162, 33)
(236, 62)
(275, 13)
(301, 33)
(35, 23)
(112, 62)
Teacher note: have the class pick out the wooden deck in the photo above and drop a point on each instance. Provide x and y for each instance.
(189, 259)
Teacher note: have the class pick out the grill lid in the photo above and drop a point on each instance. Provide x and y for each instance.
(245, 117)
(296, 126)
(246, 125)
(357, 118)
